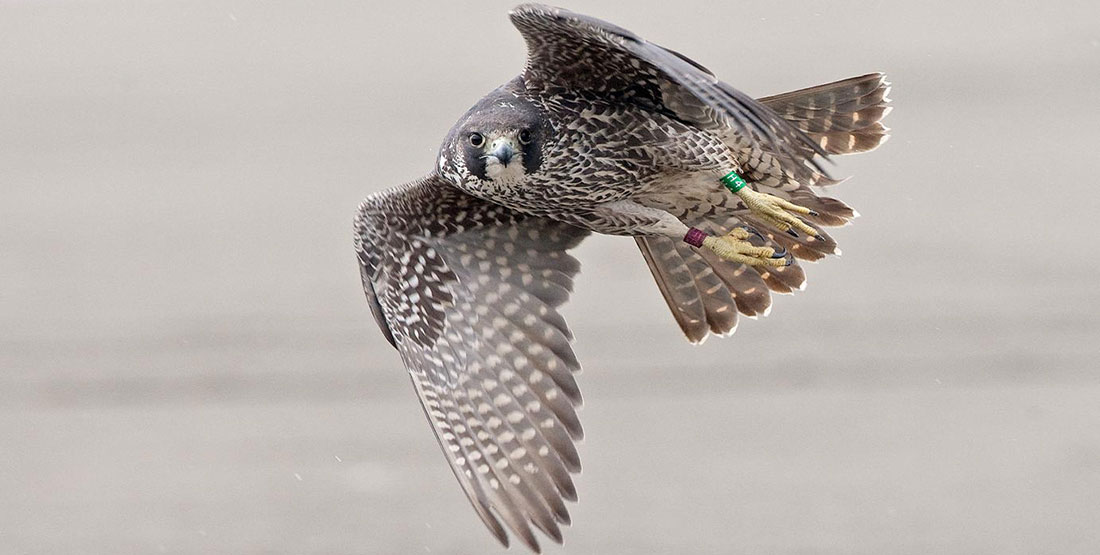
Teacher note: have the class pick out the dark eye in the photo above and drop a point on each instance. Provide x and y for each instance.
(477, 140)
(525, 136)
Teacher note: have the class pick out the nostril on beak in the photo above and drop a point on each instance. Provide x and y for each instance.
(503, 152)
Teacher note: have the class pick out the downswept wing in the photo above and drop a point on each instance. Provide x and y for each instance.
(467, 291)
(567, 51)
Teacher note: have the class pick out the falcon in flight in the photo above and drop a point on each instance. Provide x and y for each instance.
(603, 132)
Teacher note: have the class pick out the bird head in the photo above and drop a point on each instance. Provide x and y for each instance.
(496, 146)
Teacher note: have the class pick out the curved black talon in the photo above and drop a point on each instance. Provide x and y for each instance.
(753, 231)
(814, 213)
(780, 254)
(792, 233)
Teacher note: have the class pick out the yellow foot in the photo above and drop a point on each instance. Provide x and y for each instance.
(735, 246)
(777, 212)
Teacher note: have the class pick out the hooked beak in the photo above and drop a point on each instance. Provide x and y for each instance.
(502, 149)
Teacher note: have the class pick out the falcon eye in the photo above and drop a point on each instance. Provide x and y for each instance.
(525, 136)
(477, 140)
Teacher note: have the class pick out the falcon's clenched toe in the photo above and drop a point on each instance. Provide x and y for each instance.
(603, 132)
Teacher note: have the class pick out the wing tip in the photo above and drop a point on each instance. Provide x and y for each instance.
(534, 9)
(525, 8)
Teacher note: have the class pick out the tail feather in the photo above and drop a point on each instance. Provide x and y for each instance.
(802, 247)
(721, 318)
(830, 211)
(677, 285)
(784, 280)
(706, 293)
(699, 300)
(748, 289)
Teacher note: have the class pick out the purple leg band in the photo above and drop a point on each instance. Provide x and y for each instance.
(695, 237)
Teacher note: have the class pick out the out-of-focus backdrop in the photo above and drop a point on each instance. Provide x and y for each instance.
(189, 366)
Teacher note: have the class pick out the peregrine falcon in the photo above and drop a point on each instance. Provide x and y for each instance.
(464, 269)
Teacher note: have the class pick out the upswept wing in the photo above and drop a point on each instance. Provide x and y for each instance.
(567, 51)
(467, 291)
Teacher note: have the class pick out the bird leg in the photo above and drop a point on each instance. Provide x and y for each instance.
(627, 217)
(770, 208)
(735, 246)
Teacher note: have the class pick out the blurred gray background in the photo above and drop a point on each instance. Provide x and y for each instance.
(189, 366)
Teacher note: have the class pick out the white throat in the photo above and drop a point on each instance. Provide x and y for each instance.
(499, 173)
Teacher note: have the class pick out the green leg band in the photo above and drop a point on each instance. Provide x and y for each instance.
(733, 182)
